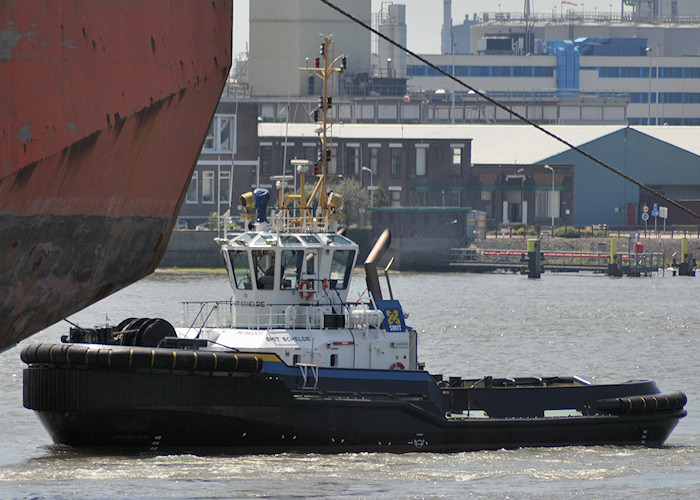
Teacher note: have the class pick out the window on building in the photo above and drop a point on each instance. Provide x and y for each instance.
(421, 199)
(420, 161)
(486, 195)
(265, 162)
(224, 186)
(193, 190)
(374, 160)
(454, 198)
(541, 203)
(333, 164)
(210, 139)
(207, 186)
(456, 160)
(547, 203)
(352, 166)
(220, 136)
(500, 71)
(395, 162)
(395, 197)
(671, 72)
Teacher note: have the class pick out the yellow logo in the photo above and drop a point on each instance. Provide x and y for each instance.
(392, 317)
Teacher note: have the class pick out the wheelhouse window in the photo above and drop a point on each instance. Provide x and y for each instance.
(290, 266)
(240, 269)
(310, 264)
(264, 264)
(341, 268)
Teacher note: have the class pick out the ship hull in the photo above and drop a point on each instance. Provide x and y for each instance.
(339, 427)
(104, 115)
(89, 398)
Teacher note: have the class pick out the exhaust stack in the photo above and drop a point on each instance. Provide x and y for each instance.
(373, 259)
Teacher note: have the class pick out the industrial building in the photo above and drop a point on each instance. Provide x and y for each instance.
(594, 78)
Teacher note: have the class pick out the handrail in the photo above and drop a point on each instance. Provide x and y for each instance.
(225, 314)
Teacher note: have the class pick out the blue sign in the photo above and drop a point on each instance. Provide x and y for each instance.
(393, 315)
(645, 217)
(655, 210)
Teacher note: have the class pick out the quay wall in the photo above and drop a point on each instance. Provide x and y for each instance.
(197, 249)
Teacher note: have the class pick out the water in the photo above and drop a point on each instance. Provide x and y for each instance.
(600, 328)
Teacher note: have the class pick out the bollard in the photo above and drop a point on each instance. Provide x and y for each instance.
(612, 265)
(687, 267)
(534, 266)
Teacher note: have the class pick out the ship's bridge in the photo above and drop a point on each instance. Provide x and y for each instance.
(302, 265)
(283, 280)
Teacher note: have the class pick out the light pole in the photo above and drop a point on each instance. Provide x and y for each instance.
(371, 186)
(551, 198)
(648, 51)
(452, 110)
(658, 94)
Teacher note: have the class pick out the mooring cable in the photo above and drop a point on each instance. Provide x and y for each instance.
(513, 113)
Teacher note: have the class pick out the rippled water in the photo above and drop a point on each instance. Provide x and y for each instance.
(600, 328)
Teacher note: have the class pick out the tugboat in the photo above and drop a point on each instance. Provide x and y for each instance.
(290, 364)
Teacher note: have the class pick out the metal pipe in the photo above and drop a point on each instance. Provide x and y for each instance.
(371, 276)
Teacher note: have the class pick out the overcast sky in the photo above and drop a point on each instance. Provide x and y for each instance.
(424, 17)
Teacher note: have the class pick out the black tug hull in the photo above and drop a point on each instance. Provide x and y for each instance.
(338, 427)
(241, 409)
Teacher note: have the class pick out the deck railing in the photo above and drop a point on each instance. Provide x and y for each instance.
(262, 315)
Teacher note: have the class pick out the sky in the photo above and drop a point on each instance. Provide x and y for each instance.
(424, 17)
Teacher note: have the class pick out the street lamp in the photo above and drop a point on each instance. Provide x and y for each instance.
(371, 186)
(551, 198)
(648, 51)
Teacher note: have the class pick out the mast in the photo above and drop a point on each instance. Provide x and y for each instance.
(324, 68)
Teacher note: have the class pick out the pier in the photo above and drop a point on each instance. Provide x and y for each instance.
(623, 263)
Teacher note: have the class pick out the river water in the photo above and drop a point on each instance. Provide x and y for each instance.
(605, 329)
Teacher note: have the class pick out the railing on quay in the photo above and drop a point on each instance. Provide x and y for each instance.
(628, 263)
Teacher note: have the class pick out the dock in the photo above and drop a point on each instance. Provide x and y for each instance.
(516, 261)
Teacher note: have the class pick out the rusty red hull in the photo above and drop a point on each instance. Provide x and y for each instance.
(103, 109)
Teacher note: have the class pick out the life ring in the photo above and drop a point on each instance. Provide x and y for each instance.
(305, 289)
(397, 366)
(325, 283)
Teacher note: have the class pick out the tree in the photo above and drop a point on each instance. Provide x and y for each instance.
(380, 197)
(355, 197)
